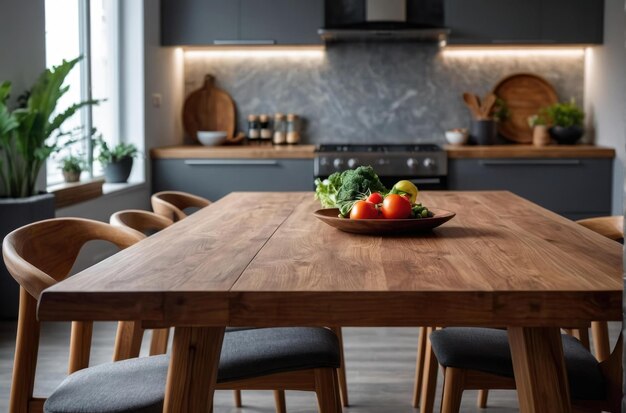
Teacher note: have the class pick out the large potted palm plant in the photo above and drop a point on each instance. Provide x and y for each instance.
(29, 134)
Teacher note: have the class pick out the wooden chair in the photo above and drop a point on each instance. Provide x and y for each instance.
(128, 341)
(41, 254)
(172, 204)
(479, 358)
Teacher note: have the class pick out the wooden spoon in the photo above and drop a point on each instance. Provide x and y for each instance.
(487, 105)
(473, 104)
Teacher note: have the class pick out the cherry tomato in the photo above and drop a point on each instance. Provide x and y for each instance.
(363, 210)
(375, 198)
(396, 207)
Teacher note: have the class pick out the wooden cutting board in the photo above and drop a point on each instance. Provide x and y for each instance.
(525, 94)
(209, 109)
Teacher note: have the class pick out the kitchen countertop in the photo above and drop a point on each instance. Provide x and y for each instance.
(308, 152)
(529, 151)
(235, 151)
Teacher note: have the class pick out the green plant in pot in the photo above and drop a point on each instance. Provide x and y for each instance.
(117, 161)
(566, 120)
(29, 134)
(72, 167)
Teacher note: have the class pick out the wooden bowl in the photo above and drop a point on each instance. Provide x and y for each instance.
(330, 216)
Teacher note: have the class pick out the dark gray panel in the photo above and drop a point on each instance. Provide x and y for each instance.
(493, 21)
(572, 21)
(214, 178)
(282, 21)
(576, 188)
(198, 22)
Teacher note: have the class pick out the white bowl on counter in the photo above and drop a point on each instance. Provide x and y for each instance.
(212, 138)
(456, 137)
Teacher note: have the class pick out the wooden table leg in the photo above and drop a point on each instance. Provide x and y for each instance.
(429, 381)
(539, 368)
(192, 374)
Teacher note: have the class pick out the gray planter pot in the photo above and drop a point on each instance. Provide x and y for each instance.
(118, 172)
(15, 213)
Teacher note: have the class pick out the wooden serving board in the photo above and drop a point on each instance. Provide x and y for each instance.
(525, 94)
(209, 109)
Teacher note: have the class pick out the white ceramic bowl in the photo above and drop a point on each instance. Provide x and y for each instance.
(456, 137)
(212, 138)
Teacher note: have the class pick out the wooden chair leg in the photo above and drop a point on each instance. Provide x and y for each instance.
(343, 384)
(327, 391)
(481, 402)
(158, 343)
(582, 334)
(600, 335)
(453, 382)
(419, 366)
(237, 397)
(128, 340)
(279, 399)
(26, 349)
(80, 345)
(429, 385)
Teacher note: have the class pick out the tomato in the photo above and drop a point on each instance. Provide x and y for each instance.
(375, 198)
(363, 210)
(396, 207)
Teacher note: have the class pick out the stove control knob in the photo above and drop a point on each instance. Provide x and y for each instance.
(323, 161)
(429, 163)
(412, 163)
(352, 162)
(381, 162)
(338, 163)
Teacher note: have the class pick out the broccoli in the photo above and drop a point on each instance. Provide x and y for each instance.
(342, 190)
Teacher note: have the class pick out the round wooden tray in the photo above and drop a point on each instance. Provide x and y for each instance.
(330, 216)
(525, 94)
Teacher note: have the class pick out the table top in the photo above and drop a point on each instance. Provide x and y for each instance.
(261, 259)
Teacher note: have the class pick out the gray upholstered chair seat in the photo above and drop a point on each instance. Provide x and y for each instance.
(487, 350)
(138, 385)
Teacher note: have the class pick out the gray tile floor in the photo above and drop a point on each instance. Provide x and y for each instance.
(380, 365)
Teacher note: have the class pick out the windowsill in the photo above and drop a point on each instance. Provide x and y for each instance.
(68, 194)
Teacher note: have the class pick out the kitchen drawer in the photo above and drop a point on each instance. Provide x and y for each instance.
(575, 188)
(214, 178)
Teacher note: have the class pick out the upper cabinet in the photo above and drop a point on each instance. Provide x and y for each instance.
(240, 22)
(524, 21)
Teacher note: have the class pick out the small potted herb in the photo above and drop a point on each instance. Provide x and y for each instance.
(566, 121)
(118, 161)
(539, 124)
(72, 166)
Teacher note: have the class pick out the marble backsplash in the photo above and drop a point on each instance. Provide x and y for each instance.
(373, 92)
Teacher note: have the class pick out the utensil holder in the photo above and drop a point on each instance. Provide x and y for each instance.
(483, 132)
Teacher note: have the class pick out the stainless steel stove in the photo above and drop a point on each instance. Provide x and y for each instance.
(424, 164)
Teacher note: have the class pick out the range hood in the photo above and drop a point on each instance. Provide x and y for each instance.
(385, 20)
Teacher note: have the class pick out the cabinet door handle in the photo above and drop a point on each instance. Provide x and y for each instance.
(229, 162)
(242, 42)
(530, 162)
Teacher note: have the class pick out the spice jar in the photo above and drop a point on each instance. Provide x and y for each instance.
(266, 130)
(280, 135)
(254, 128)
(293, 129)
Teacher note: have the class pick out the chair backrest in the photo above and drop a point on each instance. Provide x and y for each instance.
(611, 227)
(172, 204)
(141, 223)
(38, 256)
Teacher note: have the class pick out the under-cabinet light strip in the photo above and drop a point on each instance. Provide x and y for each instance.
(257, 52)
(513, 52)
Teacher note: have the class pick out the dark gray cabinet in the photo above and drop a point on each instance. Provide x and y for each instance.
(214, 178)
(575, 188)
(524, 21)
(198, 22)
(240, 22)
(281, 21)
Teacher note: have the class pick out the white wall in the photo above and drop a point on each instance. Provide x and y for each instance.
(605, 93)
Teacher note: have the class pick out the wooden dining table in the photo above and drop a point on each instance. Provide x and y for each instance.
(263, 259)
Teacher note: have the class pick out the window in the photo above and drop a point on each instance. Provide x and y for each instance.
(88, 28)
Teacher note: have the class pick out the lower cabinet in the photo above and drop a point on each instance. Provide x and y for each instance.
(215, 178)
(574, 188)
